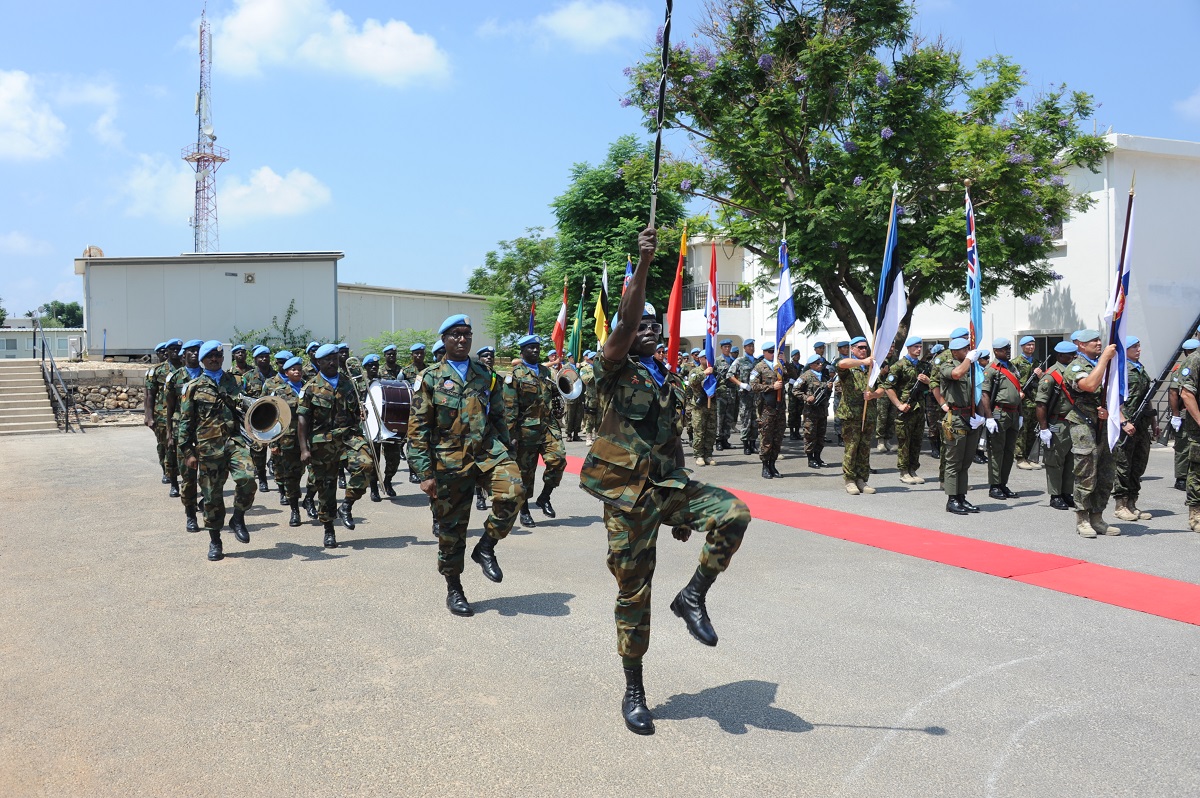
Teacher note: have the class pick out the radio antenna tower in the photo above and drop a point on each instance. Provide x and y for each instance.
(205, 156)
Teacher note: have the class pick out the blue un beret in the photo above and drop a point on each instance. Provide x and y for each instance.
(390, 348)
(325, 350)
(526, 340)
(726, 342)
(813, 359)
(292, 362)
(160, 347)
(695, 350)
(1000, 343)
(958, 343)
(1191, 344)
(959, 332)
(648, 310)
(1065, 348)
(485, 350)
(933, 350)
(1075, 335)
(439, 347)
(285, 355)
(769, 346)
(913, 340)
(819, 345)
(195, 343)
(735, 350)
(552, 353)
(858, 339)
(417, 348)
(1088, 335)
(174, 342)
(311, 346)
(208, 347)
(748, 342)
(343, 346)
(457, 320)
(369, 359)
(1131, 340)
(985, 353)
(261, 350)
(840, 344)
(1028, 339)
(238, 348)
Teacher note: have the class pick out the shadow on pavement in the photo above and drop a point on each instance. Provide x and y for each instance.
(285, 550)
(735, 707)
(548, 605)
(396, 542)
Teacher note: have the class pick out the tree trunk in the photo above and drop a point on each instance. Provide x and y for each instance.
(841, 306)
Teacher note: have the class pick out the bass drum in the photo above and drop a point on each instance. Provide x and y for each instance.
(388, 404)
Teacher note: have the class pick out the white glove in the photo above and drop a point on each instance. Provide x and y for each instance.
(745, 386)
(1176, 422)
(973, 355)
(976, 421)
(991, 425)
(1045, 435)
(1020, 422)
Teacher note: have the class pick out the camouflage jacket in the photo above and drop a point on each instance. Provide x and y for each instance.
(238, 371)
(721, 369)
(854, 382)
(638, 438)
(253, 383)
(455, 423)
(1000, 389)
(308, 371)
(352, 367)
(1023, 367)
(588, 374)
(1138, 382)
(277, 386)
(207, 419)
(762, 377)
(810, 383)
(177, 381)
(1085, 404)
(332, 412)
(935, 369)
(742, 366)
(528, 394)
(695, 384)
(1052, 396)
(156, 380)
(902, 378)
(390, 372)
(1187, 378)
(956, 392)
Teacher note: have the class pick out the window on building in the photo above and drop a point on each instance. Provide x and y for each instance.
(1045, 344)
(62, 344)
(10, 344)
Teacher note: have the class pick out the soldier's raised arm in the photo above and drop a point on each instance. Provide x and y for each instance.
(629, 313)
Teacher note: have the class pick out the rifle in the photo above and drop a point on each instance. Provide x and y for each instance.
(917, 394)
(1031, 383)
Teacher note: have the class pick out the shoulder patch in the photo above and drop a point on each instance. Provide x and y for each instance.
(1075, 367)
(508, 379)
(448, 384)
(1186, 372)
(891, 378)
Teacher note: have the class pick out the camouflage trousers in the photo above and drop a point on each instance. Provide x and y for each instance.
(632, 536)
(910, 434)
(1130, 459)
(1059, 462)
(856, 462)
(553, 454)
(1028, 447)
(167, 457)
(390, 455)
(216, 464)
(1001, 446)
(749, 416)
(933, 421)
(837, 421)
(188, 481)
(1094, 472)
(959, 443)
(885, 419)
(795, 413)
(1182, 439)
(770, 426)
(1193, 474)
(327, 459)
(589, 419)
(259, 456)
(727, 412)
(815, 425)
(452, 508)
(704, 429)
(288, 470)
(574, 418)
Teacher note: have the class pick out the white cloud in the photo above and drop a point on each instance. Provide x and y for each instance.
(29, 129)
(584, 24)
(99, 93)
(1190, 107)
(309, 34)
(165, 190)
(17, 243)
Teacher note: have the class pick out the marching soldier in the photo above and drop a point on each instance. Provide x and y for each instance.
(727, 401)
(271, 387)
(960, 425)
(906, 384)
(1026, 452)
(176, 383)
(739, 374)
(240, 367)
(210, 442)
(486, 355)
(766, 386)
(704, 411)
(1189, 390)
(157, 417)
(1131, 455)
(634, 468)
(288, 384)
(252, 385)
(1053, 404)
(816, 385)
(1094, 473)
(1001, 399)
(795, 397)
(587, 373)
(390, 369)
(1175, 403)
(458, 438)
(529, 392)
(149, 386)
(857, 426)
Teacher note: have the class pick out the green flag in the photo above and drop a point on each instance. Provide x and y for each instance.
(574, 343)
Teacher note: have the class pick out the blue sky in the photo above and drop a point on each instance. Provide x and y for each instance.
(414, 136)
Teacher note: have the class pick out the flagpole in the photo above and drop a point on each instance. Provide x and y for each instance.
(875, 321)
(662, 109)
(971, 323)
(1112, 326)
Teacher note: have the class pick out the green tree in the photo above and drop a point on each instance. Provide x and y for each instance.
(511, 279)
(805, 113)
(280, 335)
(401, 339)
(61, 314)
(3, 312)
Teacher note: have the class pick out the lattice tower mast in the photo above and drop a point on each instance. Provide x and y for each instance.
(205, 156)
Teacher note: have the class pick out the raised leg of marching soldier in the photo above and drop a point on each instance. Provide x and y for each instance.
(188, 482)
(1130, 459)
(213, 469)
(910, 432)
(359, 466)
(453, 511)
(704, 433)
(1002, 446)
(310, 492)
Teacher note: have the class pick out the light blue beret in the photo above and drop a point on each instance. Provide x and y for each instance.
(819, 345)
(648, 310)
(457, 320)
(659, 348)
(439, 347)
(840, 344)
(174, 342)
(1065, 348)
(1075, 335)
(769, 346)
(160, 347)
(551, 352)
(208, 347)
(292, 362)
(858, 339)
(417, 348)
(913, 340)
(1131, 340)
(933, 350)
(344, 346)
(261, 350)
(735, 350)
(985, 353)
(369, 359)
(696, 350)
(311, 346)
(1000, 343)
(1088, 335)
(238, 348)
(325, 350)
(389, 348)
(1191, 344)
(958, 343)
(526, 340)
(486, 350)
(959, 332)
(285, 355)
(1028, 339)
(726, 342)
(813, 359)
(195, 343)
(748, 342)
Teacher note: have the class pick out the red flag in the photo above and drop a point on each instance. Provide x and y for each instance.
(675, 307)
(559, 335)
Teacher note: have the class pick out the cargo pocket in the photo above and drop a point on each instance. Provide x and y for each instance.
(614, 474)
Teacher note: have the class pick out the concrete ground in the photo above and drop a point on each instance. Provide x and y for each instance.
(131, 666)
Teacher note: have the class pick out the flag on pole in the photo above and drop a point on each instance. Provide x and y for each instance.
(890, 300)
(974, 278)
(532, 314)
(785, 314)
(559, 334)
(628, 273)
(1116, 386)
(575, 346)
(675, 307)
(601, 311)
(712, 316)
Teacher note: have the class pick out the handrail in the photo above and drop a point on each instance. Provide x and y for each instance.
(52, 375)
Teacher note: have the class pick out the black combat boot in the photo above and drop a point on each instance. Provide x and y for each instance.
(263, 487)
(953, 505)
(795, 435)
(525, 518)
(166, 480)
(1070, 500)
(413, 478)
(174, 488)
(766, 471)
(330, 537)
(283, 499)
(1058, 503)
(995, 492)
(456, 600)
(813, 463)
(294, 520)
(345, 513)
(935, 448)
(480, 499)
(747, 447)
(719, 445)
(237, 525)
(341, 479)
(388, 489)
(1009, 494)
(962, 498)
(774, 470)
(310, 504)
(215, 552)
(689, 605)
(375, 497)
(633, 706)
(192, 525)
(543, 502)
(484, 554)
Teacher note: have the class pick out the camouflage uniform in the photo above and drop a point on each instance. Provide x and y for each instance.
(285, 449)
(528, 394)
(726, 398)
(1027, 448)
(1131, 456)
(885, 411)
(1181, 435)
(458, 437)
(1094, 472)
(748, 405)
(208, 430)
(241, 371)
(959, 441)
(794, 392)
(156, 380)
(935, 416)
(1004, 396)
(390, 372)
(588, 375)
(770, 409)
(575, 417)
(837, 396)
(856, 462)
(816, 414)
(633, 469)
(177, 382)
(252, 385)
(1059, 462)
(704, 415)
(334, 415)
(910, 426)
(1189, 381)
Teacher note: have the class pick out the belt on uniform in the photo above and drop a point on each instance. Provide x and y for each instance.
(961, 407)
(1003, 406)
(1057, 418)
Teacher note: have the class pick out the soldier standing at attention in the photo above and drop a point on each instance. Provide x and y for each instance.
(739, 374)
(416, 364)
(310, 368)
(149, 387)
(931, 406)
(704, 411)
(458, 439)
(587, 373)
(843, 351)
(285, 450)
(635, 468)
(212, 444)
(390, 369)
(960, 426)
(1189, 391)
(252, 385)
(766, 386)
(1053, 404)
(240, 367)
(529, 392)
(727, 401)
(816, 386)
(935, 388)
(1026, 453)
(176, 383)
(1131, 455)
(1175, 403)
(1094, 473)
(1001, 400)
(903, 394)
(794, 392)
(885, 416)
(330, 415)
(856, 432)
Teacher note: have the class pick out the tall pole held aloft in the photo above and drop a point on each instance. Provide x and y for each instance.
(662, 110)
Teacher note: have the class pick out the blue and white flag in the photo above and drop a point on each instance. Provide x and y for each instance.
(712, 311)
(890, 300)
(974, 293)
(1114, 319)
(785, 313)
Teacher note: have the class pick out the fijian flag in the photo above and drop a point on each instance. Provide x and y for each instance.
(974, 279)
(1114, 320)
(890, 300)
(712, 318)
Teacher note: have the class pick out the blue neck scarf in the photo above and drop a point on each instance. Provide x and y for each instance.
(910, 358)
(1088, 359)
(193, 372)
(461, 367)
(1136, 364)
(216, 375)
(532, 366)
(295, 386)
(654, 368)
(333, 381)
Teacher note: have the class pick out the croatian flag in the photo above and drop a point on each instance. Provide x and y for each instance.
(785, 314)
(712, 315)
(974, 277)
(890, 300)
(1114, 320)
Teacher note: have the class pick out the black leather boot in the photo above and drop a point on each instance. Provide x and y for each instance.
(1009, 494)
(166, 480)
(330, 536)
(283, 499)
(388, 489)
(812, 463)
(484, 554)
(953, 505)
(795, 435)
(525, 518)
(766, 471)
(215, 552)
(1057, 503)
(342, 480)
(310, 504)
(747, 447)
(456, 600)
(413, 478)
(375, 497)
(237, 525)
(543, 503)
(970, 507)
(995, 492)
(633, 705)
(774, 470)
(689, 605)
(1070, 500)
(294, 520)
(345, 512)
(192, 524)
(174, 488)
(263, 487)
(480, 499)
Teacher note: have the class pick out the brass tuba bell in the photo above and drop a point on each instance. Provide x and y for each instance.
(569, 383)
(264, 419)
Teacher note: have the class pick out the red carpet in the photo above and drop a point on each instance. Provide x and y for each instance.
(1155, 595)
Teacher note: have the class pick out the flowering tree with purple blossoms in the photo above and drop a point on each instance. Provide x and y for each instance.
(806, 112)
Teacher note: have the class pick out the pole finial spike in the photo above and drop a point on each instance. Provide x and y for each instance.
(967, 182)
